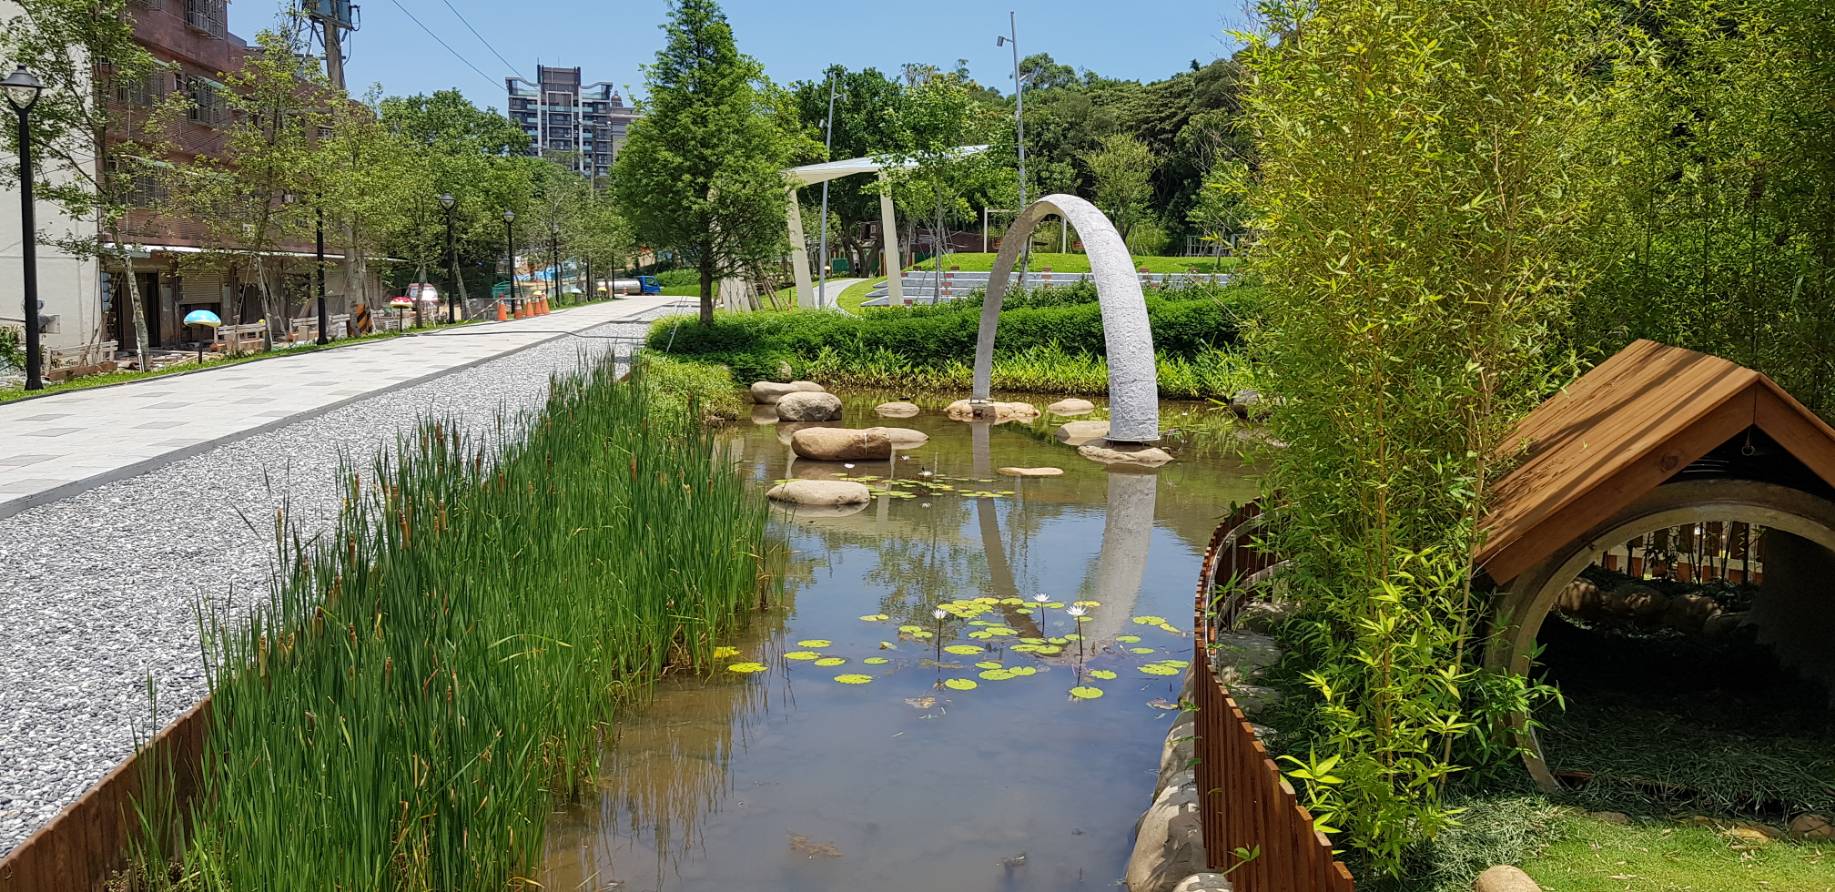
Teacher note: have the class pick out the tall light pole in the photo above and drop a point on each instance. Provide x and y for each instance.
(318, 247)
(452, 259)
(1019, 129)
(509, 242)
(828, 142)
(22, 89)
(554, 251)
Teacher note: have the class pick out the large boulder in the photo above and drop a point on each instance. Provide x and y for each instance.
(1071, 406)
(964, 410)
(840, 444)
(1109, 452)
(1169, 841)
(1811, 827)
(901, 437)
(1635, 599)
(896, 409)
(821, 493)
(1690, 612)
(767, 393)
(762, 414)
(1204, 882)
(1504, 878)
(1077, 433)
(809, 406)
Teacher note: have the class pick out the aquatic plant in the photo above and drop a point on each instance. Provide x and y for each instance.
(426, 681)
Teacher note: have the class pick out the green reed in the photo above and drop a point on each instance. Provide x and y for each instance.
(427, 682)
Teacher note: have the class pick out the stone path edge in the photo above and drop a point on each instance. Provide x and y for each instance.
(63, 491)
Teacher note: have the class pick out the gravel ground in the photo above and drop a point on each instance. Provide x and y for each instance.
(99, 592)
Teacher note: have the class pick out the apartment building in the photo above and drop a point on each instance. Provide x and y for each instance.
(580, 125)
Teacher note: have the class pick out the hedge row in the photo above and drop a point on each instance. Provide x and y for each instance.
(1186, 323)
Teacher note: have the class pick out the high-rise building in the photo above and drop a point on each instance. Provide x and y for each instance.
(582, 126)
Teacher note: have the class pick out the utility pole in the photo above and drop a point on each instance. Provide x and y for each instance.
(1019, 129)
(318, 217)
(828, 131)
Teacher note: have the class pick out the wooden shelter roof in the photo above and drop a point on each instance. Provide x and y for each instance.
(1623, 429)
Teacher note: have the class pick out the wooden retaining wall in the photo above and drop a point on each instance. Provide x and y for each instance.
(88, 842)
(1244, 802)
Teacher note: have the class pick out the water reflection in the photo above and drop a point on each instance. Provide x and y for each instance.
(788, 781)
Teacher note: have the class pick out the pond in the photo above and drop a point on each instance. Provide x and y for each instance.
(786, 779)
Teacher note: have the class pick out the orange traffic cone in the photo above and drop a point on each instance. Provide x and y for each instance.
(503, 313)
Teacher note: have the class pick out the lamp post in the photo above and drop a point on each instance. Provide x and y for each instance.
(828, 142)
(452, 259)
(1011, 38)
(22, 90)
(318, 248)
(554, 275)
(509, 241)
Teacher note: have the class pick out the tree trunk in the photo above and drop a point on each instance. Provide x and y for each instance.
(134, 307)
(707, 286)
(267, 300)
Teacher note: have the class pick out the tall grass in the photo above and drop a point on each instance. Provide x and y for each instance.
(424, 685)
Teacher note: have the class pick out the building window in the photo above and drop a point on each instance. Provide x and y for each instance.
(209, 16)
(208, 106)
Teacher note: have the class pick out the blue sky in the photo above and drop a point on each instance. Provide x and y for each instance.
(795, 39)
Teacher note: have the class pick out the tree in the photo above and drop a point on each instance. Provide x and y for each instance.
(85, 108)
(928, 171)
(701, 172)
(864, 107)
(1121, 172)
(1222, 204)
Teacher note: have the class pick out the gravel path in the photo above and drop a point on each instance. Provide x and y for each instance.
(99, 592)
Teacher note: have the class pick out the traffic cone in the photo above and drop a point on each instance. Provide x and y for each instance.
(503, 313)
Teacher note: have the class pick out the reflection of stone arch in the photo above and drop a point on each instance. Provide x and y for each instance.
(1532, 595)
(1134, 408)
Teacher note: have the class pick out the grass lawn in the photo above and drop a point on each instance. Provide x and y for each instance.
(1594, 856)
(853, 295)
(976, 262)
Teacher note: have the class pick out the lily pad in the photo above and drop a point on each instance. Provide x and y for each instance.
(874, 618)
(910, 629)
(1086, 603)
(960, 684)
(1033, 640)
(962, 650)
(1127, 639)
(721, 653)
(1050, 650)
(1085, 692)
(852, 678)
(1022, 671)
(1176, 664)
(746, 668)
(1011, 601)
(802, 655)
(997, 674)
(1149, 620)
(1158, 669)
(828, 662)
(1104, 674)
(1141, 650)
(1058, 640)
(988, 664)
(815, 642)
(875, 661)
(1026, 648)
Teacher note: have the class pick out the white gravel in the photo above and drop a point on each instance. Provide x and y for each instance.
(100, 591)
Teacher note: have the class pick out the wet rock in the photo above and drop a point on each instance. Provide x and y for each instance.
(809, 406)
(1263, 617)
(840, 444)
(1071, 406)
(787, 430)
(1254, 699)
(1177, 752)
(1032, 472)
(1690, 612)
(767, 393)
(764, 414)
(1720, 625)
(1504, 878)
(1812, 827)
(1635, 599)
(1168, 842)
(1610, 817)
(1247, 402)
(1077, 433)
(821, 493)
(1242, 656)
(1109, 452)
(1204, 882)
(901, 437)
(897, 409)
(1580, 598)
(964, 410)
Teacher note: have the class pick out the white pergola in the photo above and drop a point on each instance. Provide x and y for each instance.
(815, 174)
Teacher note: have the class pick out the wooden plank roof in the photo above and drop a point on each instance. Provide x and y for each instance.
(1621, 430)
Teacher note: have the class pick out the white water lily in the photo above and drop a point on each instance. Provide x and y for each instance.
(939, 613)
(1041, 597)
(849, 465)
(1075, 611)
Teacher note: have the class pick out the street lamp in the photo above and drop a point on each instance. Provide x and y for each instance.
(318, 250)
(452, 259)
(1011, 38)
(554, 275)
(509, 241)
(828, 142)
(22, 89)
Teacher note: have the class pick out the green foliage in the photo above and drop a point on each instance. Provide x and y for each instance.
(425, 686)
(1411, 237)
(700, 172)
(1716, 188)
(1119, 172)
(1049, 340)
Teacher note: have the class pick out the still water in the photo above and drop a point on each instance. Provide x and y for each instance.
(786, 779)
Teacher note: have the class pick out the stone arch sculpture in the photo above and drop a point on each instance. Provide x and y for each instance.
(1134, 396)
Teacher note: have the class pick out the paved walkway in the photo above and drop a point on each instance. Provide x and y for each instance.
(53, 447)
(835, 287)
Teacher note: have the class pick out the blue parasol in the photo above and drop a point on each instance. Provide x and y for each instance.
(202, 317)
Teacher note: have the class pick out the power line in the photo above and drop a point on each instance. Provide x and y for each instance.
(455, 53)
(487, 44)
